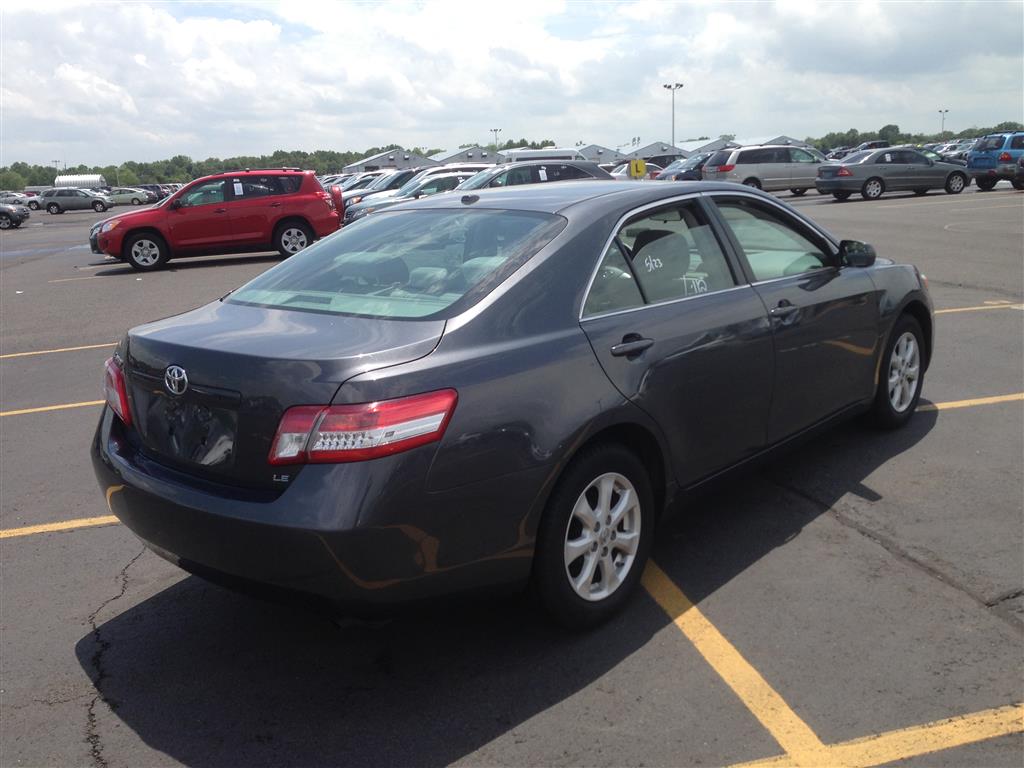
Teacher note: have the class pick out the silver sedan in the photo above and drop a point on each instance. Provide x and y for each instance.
(877, 171)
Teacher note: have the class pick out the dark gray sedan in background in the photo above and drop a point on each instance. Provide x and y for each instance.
(482, 390)
(892, 169)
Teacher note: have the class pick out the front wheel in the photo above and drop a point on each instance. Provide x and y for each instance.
(5, 221)
(901, 375)
(146, 252)
(99, 207)
(956, 183)
(872, 189)
(594, 537)
(798, 192)
(841, 196)
(986, 183)
(292, 237)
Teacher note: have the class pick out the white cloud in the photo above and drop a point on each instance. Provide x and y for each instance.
(118, 81)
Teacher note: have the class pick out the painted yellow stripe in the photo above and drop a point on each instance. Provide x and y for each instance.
(971, 403)
(978, 309)
(917, 740)
(792, 733)
(55, 351)
(66, 525)
(45, 408)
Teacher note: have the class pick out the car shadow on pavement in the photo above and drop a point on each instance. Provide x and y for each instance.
(212, 678)
(116, 268)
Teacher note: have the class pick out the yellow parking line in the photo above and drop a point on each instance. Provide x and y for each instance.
(55, 351)
(66, 525)
(978, 309)
(792, 733)
(917, 740)
(971, 403)
(44, 408)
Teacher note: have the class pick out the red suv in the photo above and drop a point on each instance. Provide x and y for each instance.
(284, 209)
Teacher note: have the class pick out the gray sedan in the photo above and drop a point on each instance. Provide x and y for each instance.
(875, 172)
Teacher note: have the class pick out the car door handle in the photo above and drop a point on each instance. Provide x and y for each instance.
(275, 205)
(220, 210)
(784, 309)
(632, 345)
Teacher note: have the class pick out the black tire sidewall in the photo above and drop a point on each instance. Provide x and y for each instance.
(752, 182)
(885, 415)
(549, 577)
(5, 218)
(53, 209)
(986, 185)
(279, 233)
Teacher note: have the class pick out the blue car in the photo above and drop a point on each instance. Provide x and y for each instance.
(995, 158)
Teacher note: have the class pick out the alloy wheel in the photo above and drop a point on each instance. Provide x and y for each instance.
(956, 183)
(602, 537)
(873, 189)
(145, 252)
(904, 372)
(293, 240)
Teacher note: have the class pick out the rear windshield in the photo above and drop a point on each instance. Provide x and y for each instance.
(427, 264)
(990, 142)
(719, 157)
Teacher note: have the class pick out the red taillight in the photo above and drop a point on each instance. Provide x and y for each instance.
(313, 434)
(844, 171)
(726, 168)
(116, 391)
(1005, 157)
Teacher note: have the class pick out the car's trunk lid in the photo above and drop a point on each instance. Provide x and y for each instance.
(244, 367)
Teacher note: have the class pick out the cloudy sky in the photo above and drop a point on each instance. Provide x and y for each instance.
(101, 83)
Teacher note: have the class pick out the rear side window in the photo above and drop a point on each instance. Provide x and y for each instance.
(405, 264)
(1017, 142)
(991, 142)
(773, 244)
(256, 186)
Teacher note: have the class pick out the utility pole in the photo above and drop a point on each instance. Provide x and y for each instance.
(495, 131)
(942, 114)
(673, 87)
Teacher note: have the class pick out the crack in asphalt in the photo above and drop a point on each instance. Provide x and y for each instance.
(92, 736)
(901, 554)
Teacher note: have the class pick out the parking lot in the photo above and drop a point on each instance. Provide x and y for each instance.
(857, 601)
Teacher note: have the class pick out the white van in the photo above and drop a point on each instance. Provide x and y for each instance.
(548, 153)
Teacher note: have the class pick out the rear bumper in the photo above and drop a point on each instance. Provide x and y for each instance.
(828, 186)
(1003, 171)
(362, 536)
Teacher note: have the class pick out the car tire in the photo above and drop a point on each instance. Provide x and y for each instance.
(901, 375)
(136, 201)
(572, 542)
(6, 222)
(841, 196)
(799, 192)
(956, 183)
(873, 188)
(752, 182)
(986, 184)
(53, 209)
(34, 205)
(1017, 184)
(145, 251)
(292, 237)
(99, 207)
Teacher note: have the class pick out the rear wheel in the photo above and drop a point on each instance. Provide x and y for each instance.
(985, 183)
(6, 222)
(1017, 184)
(798, 192)
(752, 182)
(53, 208)
(956, 183)
(136, 201)
(872, 189)
(146, 251)
(594, 537)
(99, 207)
(291, 237)
(840, 196)
(901, 375)
(34, 205)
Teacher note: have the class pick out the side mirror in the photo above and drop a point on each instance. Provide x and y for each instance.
(176, 203)
(854, 253)
(417, 195)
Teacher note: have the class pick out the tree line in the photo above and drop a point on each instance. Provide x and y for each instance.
(182, 168)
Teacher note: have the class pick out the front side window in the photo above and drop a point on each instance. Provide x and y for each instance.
(773, 244)
(428, 263)
(204, 194)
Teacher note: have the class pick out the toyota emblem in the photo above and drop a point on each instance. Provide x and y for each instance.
(176, 380)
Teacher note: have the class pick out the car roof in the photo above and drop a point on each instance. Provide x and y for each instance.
(556, 197)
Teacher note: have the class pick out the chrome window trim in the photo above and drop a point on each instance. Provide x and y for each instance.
(688, 197)
(612, 313)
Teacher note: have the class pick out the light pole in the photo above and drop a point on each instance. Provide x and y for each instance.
(942, 114)
(495, 131)
(673, 87)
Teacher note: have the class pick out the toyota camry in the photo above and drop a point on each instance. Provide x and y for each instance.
(504, 387)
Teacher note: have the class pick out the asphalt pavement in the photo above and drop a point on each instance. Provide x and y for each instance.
(856, 601)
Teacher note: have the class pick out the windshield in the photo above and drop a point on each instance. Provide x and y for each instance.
(405, 264)
(479, 180)
(381, 181)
